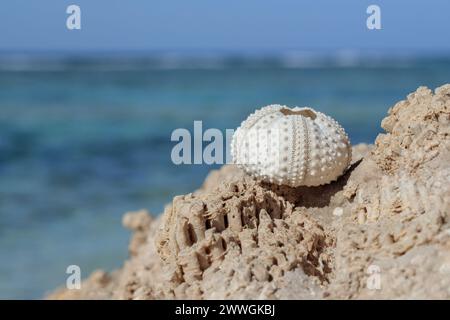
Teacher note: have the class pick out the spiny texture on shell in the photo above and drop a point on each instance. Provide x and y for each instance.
(293, 147)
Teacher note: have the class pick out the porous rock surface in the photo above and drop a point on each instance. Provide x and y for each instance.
(381, 231)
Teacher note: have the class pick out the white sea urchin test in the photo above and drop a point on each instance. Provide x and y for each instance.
(294, 147)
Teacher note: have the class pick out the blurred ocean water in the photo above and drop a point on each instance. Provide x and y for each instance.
(84, 140)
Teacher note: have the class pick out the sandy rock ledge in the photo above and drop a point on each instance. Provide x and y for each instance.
(381, 231)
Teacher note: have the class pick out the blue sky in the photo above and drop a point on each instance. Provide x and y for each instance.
(230, 25)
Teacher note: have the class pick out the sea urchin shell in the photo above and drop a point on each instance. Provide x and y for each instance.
(294, 147)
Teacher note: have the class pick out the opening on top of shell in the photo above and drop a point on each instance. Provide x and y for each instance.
(306, 112)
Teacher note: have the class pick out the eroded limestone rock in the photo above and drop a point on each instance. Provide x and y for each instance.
(237, 238)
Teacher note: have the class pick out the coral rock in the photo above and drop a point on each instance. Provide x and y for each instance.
(240, 238)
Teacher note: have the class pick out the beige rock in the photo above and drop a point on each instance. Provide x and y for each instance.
(380, 231)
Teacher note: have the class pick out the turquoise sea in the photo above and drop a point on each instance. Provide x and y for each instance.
(83, 140)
